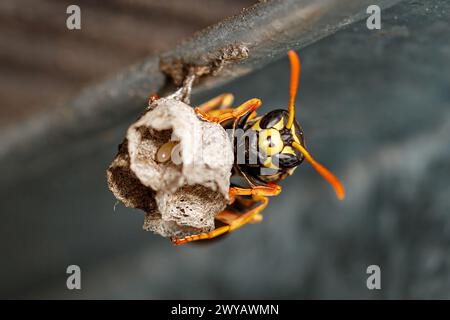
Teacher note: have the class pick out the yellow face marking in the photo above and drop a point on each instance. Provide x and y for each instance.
(291, 171)
(269, 164)
(288, 149)
(270, 141)
(279, 125)
(296, 139)
(256, 126)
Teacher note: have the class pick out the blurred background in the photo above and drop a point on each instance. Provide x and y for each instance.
(42, 63)
(375, 108)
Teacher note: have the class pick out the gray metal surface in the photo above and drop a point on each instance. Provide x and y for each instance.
(375, 109)
(43, 64)
(265, 32)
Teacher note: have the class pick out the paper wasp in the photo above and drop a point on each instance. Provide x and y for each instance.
(279, 149)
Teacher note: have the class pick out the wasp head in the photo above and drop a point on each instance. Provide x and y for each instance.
(281, 145)
(274, 140)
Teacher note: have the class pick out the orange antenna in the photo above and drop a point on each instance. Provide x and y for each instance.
(324, 172)
(295, 75)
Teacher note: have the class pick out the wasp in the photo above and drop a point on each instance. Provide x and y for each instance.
(278, 149)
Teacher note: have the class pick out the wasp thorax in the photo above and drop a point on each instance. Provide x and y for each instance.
(164, 152)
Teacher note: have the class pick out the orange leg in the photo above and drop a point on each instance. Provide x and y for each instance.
(269, 190)
(258, 194)
(224, 100)
(218, 113)
(236, 113)
(245, 201)
(251, 214)
(228, 216)
(152, 98)
(249, 203)
(233, 225)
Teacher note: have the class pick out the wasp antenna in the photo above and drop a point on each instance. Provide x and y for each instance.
(295, 75)
(324, 172)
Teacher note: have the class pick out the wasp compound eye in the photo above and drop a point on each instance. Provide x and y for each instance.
(287, 160)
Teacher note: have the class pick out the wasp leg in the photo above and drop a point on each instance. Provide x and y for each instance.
(246, 202)
(224, 100)
(228, 216)
(236, 113)
(233, 225)
(269, 190)
(152, 98)
(266, 191)
(251, 214)
(257, 219)
(201, 236)
(258, 194)
(249, 203)
(218, 113)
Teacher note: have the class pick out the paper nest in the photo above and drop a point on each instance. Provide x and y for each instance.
(179, 197)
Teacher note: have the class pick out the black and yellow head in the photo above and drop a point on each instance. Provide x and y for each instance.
(275, 154)
(280, 144)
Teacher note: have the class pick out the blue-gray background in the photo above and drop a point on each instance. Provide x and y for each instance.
(375, 108)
